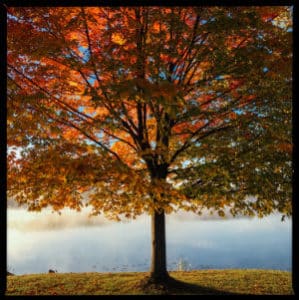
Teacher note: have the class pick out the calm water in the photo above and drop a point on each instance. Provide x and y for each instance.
(73, 242)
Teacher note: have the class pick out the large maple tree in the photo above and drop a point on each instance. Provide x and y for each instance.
(135, 110)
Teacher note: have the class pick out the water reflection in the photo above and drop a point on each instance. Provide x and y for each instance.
(72, 242)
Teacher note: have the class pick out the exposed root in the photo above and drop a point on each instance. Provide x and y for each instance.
(158, 285)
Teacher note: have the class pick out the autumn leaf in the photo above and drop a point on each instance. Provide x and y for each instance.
(118, 38)
(156, 27)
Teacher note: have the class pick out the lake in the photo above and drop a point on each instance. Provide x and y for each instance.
(72, 242)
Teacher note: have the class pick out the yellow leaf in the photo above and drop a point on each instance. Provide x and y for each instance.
(73, 83)
(118, 38)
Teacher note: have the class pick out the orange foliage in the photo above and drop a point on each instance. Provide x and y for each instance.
(86, 91)
(125, 152)
(70, 133)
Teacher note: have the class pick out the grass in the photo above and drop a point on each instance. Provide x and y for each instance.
(201, 282)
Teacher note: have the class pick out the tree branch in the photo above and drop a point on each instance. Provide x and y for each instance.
(60, 103)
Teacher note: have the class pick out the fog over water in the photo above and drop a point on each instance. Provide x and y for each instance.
(73, 242)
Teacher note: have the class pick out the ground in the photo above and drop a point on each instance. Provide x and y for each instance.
(199, 282)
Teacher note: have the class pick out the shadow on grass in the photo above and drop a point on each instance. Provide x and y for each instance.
(173, 286)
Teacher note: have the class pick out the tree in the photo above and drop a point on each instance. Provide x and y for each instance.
(150, 109)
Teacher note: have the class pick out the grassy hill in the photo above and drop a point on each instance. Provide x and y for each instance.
(201, 282)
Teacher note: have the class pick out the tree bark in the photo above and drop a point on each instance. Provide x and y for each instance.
(158, 271)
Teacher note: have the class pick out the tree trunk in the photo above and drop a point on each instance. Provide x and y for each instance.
(158, 271)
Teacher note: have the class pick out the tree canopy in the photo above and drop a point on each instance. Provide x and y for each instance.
(141, 109)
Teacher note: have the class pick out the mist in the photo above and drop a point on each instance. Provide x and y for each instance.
(74, 242)
(20, 219)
